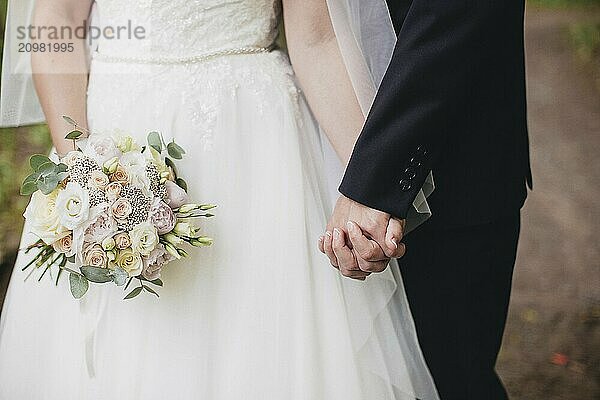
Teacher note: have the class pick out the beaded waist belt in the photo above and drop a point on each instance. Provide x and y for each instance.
(181, 60)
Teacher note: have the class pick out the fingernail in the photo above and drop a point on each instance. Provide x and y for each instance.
(328, 233)
(321, 238)
(336, 233)
(393, 242)
(350, 226)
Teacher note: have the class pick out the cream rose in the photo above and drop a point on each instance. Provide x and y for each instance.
(73, 205)
(122, 241)
(70, 158)
(120, 175)
(113, 191)
(43, 218)
(121, 208)
(64, 245)
(95, 256)
(98, 180)
(144, 238)
(130, 261)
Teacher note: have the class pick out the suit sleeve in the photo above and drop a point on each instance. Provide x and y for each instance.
(422, 92)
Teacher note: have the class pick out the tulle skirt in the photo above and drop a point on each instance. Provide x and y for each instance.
(259, 315)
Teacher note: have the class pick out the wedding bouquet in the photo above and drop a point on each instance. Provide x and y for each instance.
(110, 212)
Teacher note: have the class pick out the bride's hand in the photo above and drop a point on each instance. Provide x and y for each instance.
(373, 239)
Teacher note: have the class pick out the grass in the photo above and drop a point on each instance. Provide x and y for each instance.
(15, 147)
(564, 3)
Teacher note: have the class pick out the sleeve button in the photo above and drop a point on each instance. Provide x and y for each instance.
(405, 185)
(410, 174)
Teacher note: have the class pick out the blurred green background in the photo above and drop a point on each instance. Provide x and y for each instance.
(551, 348)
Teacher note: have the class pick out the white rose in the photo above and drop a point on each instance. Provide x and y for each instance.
(101, 148)
(73, 205)
(43, 218)
(144, 238)
(135, 164)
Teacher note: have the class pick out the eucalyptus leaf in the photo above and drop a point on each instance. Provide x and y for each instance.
(175, 150)
(76, 134)
(155, 141)
(71, 259)
(69, 120)
(62, 176)
(133, 293)
(47, 185)
(46, 168)
(62, 168)
(182, 184)
(38, 160)
(79, 285)
(32, 178)
(119, 276)
(29, 188)
(96, 274)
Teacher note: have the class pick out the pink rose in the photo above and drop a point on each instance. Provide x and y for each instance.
(162, 217)
(122, 240)
(176, 195)
(121, 209)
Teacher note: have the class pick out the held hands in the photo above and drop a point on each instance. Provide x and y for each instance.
(360, 240)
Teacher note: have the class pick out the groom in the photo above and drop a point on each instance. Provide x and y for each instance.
(451, 102)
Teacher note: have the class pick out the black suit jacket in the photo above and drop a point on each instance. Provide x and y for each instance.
(452, 101)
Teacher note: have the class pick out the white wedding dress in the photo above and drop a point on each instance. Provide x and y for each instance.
(261, 315)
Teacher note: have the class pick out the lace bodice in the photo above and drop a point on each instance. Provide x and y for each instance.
(186, 27)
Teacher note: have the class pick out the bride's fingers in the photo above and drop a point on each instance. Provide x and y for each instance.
(365, 248)
(346, 260)
(328, 249)
(321, 240)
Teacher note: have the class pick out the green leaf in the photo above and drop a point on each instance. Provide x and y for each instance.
(79, 285)
(175, 150)
(182, 184)
(150, 290)
(119, 276)
(133, 293)
(32, 178)
(29, 188)
(171, 164)
(96, 274)
(37, 160)
(155, 141)
(69, 120)
(62, 168)
(71, 259)
(46, 168)
(76, 134)
(47, 185)
(157, 282)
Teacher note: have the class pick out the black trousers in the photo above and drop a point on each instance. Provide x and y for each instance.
(458, 282)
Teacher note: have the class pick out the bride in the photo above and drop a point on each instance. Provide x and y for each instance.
(261, 314)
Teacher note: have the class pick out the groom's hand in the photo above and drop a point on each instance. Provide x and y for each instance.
(361, 240)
